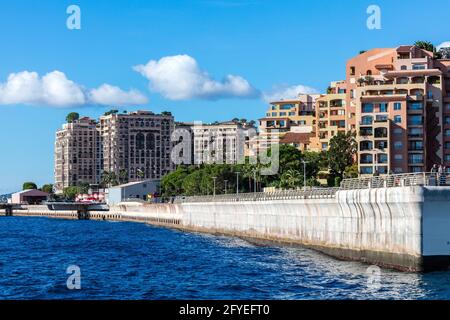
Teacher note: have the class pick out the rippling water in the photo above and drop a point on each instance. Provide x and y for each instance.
(136, 261)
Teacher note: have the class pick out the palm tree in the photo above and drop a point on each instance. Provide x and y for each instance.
(292, 178)
(123, 176)
(105, 179)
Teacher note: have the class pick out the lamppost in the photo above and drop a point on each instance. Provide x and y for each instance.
(304, 174)
(254, 180)
(214, 190)
(237, 183)
(226, 186)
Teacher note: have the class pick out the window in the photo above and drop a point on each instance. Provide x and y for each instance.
(447, 133)
(447, 145)
(398, 157)
(366, 120)
(324, 146)
(398, 170)
(416, 132)
(352, 71)
(341, 91)
(415, 120)
(274, 114)
(397, 106)
(447, 158)
(415, 106)
(367, 108)
(352, 94)
(416, 169)
(398, 131)
(369, 72)
(398, 145)
(403, 68)
(447, 120)
(286, 106)
(282, 114)
(415, 158)
(419, 67)
(398, 119)
(416, 145)
(382, 158)
(383, 107)
(366, 170)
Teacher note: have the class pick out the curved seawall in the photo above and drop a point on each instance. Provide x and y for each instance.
(406, 228)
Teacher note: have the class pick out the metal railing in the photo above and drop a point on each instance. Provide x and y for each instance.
(387, 181)
(312, 193)
(397, 180)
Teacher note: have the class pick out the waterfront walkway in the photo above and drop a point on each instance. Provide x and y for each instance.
(387, 181)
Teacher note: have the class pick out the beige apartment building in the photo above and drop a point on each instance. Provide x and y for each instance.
(331, 116)
(398, 101)
(137, 142)
(222, 142)
(77, 154)
(290, 121)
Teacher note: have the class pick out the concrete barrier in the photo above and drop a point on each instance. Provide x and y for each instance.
(406, 228)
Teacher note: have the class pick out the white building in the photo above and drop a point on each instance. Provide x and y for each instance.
(141, 190)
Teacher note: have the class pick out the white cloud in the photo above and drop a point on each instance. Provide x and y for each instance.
(53, 89)
(180, 78)
(111, 95)
(445, 44)
(56, 90)
(285, 92)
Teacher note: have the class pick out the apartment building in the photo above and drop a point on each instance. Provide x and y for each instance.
(222, 142)
(77, 154)
(289, 116)
(331, 116)
(398, 101)
(138, 143)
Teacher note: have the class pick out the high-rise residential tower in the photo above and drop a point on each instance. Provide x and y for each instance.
(398, 101)
(77, 154)
(137, 144)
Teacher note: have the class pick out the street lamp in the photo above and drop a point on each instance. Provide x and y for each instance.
(237, 183)
(214, 190)
(304, 174)
(254, 180)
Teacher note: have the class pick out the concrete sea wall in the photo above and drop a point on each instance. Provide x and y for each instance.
(406, 228)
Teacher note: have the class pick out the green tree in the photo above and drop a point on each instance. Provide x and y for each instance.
(29, 186)
(83, 188)
(123, 176)
(351, 171)
(48, 188)
(71, 117)
(291, 179)
(341, 153)
(426, 45)
(112, 111)
(71, 192)
(172, 183)
(166, 113)
(429, 46)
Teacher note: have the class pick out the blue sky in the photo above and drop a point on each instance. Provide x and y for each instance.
(263, 44)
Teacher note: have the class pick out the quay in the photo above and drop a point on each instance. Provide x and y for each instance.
(396, 221)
